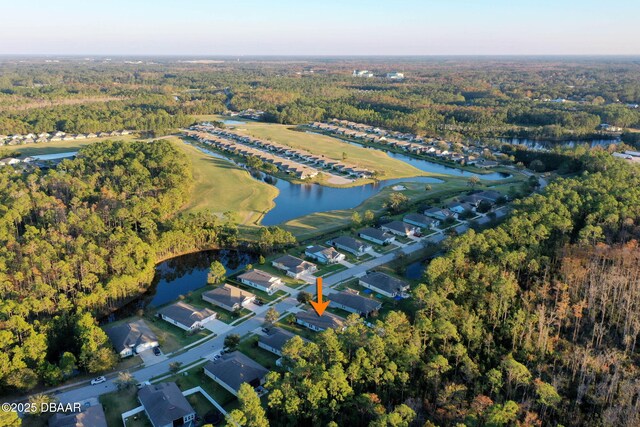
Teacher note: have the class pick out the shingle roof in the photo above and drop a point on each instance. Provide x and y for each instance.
(130, 335)
(186, 314)
(164, 403)
(356, 302)
(399, 226)
(228, 295)
(92, 416)
(259, 277)
(276, 338)
(384, 282)
(348, 242)
(235, 368)
(375, 233)
(293, 264)
(326, 321)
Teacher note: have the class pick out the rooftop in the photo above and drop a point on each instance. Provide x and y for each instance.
(164, 403)
(236, 368)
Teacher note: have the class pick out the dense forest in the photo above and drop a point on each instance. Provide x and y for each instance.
(453, 98)
(532, 323)
(78, 241)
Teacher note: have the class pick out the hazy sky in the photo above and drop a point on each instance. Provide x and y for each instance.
(313, 27)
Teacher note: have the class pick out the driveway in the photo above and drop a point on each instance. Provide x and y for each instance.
(148, 358)
(216, 326)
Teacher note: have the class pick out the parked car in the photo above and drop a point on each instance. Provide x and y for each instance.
(258, 301)
(98, 380)
(142, 384)
(156, 351)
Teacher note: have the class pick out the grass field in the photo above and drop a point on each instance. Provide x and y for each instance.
(333, 148)
(221, 187)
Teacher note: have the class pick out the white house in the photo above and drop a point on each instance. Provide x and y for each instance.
(186, 316)
(260, 280)
(324, 255)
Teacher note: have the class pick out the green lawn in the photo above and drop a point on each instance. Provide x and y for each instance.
(331, 148)
(323, 270)
(221, 187)
(195, 377)
(195, 298)
(289, 324)
(170, 337)
(200, 403)
(257, 292)
(117, 402)
(250, 347)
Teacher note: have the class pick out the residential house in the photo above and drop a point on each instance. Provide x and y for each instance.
(229, 297)
(293, 266)
(165, 405)
(400, 228)
(441, 214)
(310, 319)
(490, 195)
(89, 416)
(421, 221)
(260, 280)
(9, 161)
(460, 208)
(186, 316)
(274, 340)
(384, 284)
(351, 245)
(233, 369)
(132, 338)
(324, 255)
(376, 236)
(354, 303)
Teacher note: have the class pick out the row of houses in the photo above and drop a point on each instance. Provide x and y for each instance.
(284, 151)
(44, 137)
(470, 155)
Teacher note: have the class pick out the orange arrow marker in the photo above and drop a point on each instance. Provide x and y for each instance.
(319, 306)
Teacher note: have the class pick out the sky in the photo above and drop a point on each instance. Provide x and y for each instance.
(328, 27)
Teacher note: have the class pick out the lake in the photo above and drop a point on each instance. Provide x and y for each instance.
(180, 275)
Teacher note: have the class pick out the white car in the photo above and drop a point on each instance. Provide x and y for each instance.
(98, 380)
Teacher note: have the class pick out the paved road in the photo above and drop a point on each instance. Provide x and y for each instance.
(214, 345)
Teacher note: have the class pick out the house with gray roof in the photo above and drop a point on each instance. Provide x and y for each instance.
(260, 280)
(233, 369)
(490, 195)
(421, 221)
(324, 255)
(310, 319)
(400, 228)
(354, 303)
(165, 405)
(441, 214)
(376, 236)
(185, 316)
(351, 245)
(91, 416)
(293, 266)
(384, 284)
(274, 340)
(132, 338)
(229, 297)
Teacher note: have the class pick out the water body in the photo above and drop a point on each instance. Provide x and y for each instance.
(541, 145)
(431, 167)
(232, 122)
(180, 275)
(295, 200)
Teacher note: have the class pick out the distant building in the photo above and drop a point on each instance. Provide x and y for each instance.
(229, 297)
(376, 236)
(165, 405)
(294, 267)
(324, 255)
(351, 245)
(362, 73)
(395, 76)
(441, 214)
(186, 316)
(384, 284)
(132, 338)
(233, 369)
(354, 303)
(91, 416)
(310, 319)
(261, 280)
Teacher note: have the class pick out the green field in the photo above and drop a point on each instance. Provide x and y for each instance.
(221, 187)
(387, 167)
